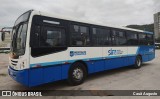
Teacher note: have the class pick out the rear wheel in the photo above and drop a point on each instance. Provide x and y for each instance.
(77, 74)
(138, 62)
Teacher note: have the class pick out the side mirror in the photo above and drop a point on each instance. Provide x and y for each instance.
(2, 36)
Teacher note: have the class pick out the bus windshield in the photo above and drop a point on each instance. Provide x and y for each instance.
(19, 34)
(23, 18)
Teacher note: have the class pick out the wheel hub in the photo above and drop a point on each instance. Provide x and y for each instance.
(77, 74)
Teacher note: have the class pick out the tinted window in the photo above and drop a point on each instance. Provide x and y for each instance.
(150, 39)
(114, 37)
(52, 37)
(132, 38)
(24, 17)
(19, 38)
(34, 38)
(118, 38)
(24, 35)
(79, 35)
(101, 37)
(48, 36)
(143, 39)
(122, 38)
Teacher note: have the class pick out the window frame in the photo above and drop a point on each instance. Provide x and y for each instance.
(100, 27)
(42, 29)
(39, 51)
(79, 24)
(144, 44)
(119, 30)
(150, 41)
(133, 32)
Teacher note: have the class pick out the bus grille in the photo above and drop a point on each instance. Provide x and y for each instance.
(14, 62)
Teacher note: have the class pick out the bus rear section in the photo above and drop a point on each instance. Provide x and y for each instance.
(55, 48)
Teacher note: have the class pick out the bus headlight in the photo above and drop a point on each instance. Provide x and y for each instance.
(23, 64)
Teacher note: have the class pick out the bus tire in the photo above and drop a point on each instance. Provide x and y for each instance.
(138, 62)
(77, 74)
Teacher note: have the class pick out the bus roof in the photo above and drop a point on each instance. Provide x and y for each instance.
(88, 22)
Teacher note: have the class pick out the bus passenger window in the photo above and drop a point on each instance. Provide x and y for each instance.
(132, 38)
(143, 39)
(150, 39)
(52, 37)
(114, 37)
(101, 37)
(118, 38)
(122, 38)
(80, 35)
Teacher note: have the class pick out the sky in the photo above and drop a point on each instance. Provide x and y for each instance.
(109, 12)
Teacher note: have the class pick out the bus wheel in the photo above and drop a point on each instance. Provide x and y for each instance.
(138, 62)
(77, 74)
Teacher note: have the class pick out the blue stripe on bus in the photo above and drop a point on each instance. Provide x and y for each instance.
(72, 61)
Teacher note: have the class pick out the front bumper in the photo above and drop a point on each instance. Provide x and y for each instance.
(20, 76)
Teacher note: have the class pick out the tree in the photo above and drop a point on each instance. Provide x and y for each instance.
(147, 27)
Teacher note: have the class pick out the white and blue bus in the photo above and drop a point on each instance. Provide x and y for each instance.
(157, 45)
(47, 48)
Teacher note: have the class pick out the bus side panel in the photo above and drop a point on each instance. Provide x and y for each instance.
(36, 76)
(147, 53)
(90, 67)
(115, 63)
(20, 76)
(125, 61)
(92, 57)
(98, 65)
(65, 69)
(145, 58)
(143, 51)
(131, 60)
(52, 73)
(151, 57)
(115, 57)
(132, 53)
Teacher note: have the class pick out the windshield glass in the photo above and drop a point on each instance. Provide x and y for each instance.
(19, 34)
(24, 17)
(19, 39)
